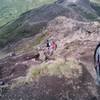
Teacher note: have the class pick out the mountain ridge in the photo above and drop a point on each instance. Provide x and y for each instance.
(11, 9)
(31, 22)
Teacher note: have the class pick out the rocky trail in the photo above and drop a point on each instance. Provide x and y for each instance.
(48, 86)
(70, 78)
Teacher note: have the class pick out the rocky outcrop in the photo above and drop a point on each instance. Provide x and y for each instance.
(62, 27)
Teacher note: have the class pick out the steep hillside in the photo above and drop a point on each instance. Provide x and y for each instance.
(31, 22)
(68, 74)
(11, 9)
(35, 72)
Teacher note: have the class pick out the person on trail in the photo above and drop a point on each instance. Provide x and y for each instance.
(54, 45)
(97, 63)
(48, 44)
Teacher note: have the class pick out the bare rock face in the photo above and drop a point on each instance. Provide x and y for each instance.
(72, 29)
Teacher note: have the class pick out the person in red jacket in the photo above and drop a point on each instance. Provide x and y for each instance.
(54, 45)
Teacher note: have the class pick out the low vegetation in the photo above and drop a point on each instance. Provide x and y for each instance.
(30, 43)
(40, 38)
(96, 7)
(69, 69)
(57, 67)
(11, 9)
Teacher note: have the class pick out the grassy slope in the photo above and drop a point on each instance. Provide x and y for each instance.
(11, 9)
(16, 30)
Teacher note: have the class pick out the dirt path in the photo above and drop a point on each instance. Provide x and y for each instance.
(60, 88)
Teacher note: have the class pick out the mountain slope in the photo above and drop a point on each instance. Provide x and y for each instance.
(31, 22)
(71, 66)
(11, 9)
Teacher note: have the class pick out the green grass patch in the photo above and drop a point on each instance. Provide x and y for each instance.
(29, 44)
(10, 10)
(36, 71)
(39, 39)
(58, 67)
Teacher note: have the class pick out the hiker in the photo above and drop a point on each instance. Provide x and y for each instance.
(48, 44)
(97, 63)
(54, 45)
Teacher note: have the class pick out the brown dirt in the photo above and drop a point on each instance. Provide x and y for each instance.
(51, 88)
(57, 87)
(60, 87)
(14, 67)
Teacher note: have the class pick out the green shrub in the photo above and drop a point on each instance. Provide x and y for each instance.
(57, 67)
